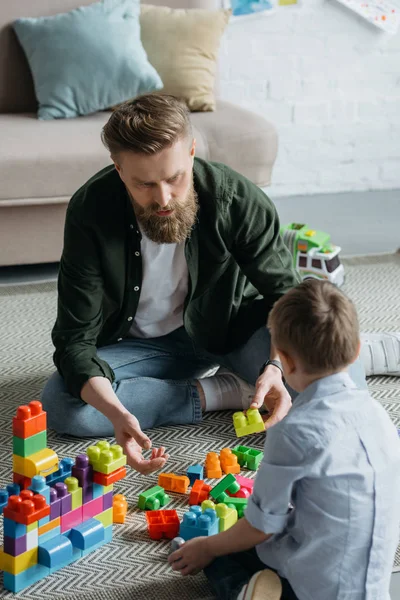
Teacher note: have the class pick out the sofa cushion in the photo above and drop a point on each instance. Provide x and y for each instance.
(87, 59)
(183, 45)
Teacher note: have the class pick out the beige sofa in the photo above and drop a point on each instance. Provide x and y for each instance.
(42, 163)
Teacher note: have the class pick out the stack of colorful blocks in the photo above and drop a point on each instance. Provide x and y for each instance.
(54, 513)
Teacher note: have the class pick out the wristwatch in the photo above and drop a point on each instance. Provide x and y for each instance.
(276, 363)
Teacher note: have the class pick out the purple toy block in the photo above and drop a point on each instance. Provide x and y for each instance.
(92, 508)
(107, 500)
(83, 471)
(15, 546)
(71, 519)
(55, 504)
(64, 496)
(87, 494)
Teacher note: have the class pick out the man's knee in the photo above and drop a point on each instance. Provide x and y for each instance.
(61, 407)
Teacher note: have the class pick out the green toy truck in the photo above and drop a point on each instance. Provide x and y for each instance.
(314, 256)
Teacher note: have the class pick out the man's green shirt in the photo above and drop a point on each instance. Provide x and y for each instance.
(238, 267)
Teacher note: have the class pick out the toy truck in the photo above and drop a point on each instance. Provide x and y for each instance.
(314, 256)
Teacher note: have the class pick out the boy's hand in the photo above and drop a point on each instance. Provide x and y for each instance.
(132, 439)
(271, 392)
(192, 557)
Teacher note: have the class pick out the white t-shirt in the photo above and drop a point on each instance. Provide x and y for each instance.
(165, 281)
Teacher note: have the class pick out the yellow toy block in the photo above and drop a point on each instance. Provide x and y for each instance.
(105, 458)
(31, 527)
(42, 463)
(248, 423)
(106, 517)
(76, 492)
(17, 564)
(227, 516)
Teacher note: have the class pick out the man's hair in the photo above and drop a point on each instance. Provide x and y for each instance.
(147, 124)
(318, 324)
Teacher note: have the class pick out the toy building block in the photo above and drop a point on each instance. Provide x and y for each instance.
(64, 470)
(71, 519)
(242, 493)
(105, 458)
(43, 462)
(13, 489)
(55, 551)
(64, 496)
(228, 483)
(39, 486)
(248, 457)
(29, 420)
(162, 523)
(16, 583)
(107, 539)
(32, 539)
(92, 508)
(87, 534)
(195, 472)
(3, 500)
(245, 482)
(76, 492)
(17, 564)
(23, 482)
(105, 517)
(227, 516)
(237, 503)
(29, 445)
(174, 483)
(153, 498)
(49, 526)
(120, 508)
(249, 422)
(107, 480)
(15, 546)
(200, 492)
(83, 471)
(213, 466)
(229, 462)
(26, 508)
(176, 544)
(195, 523)
(107, 500)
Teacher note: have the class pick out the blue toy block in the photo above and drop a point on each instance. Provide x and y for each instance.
(55, 551)
(49, 534)
(87, 534)
(98, 490)
(107, 539)
(43, 521)
(13, 529)
(195, 472)
(13, 489)
(196, 523)
(64, 470)
(76, 555)
(16, 583)
(39, 486)
(3, 500)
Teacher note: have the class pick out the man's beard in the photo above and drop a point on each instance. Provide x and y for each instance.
(174, 228)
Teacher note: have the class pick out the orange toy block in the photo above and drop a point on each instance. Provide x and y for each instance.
(229, 461)
(29, 420)
(26, 508)
(174, 483)
(49, 526)
(120, 508)
(213, 466)
(162, 523)
(107, 480)
(200, 492)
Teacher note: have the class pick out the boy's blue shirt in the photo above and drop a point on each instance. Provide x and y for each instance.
(336, 459)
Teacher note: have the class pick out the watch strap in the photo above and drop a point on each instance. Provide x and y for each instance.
(276, 363)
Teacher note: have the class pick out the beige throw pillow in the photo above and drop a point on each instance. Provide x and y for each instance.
(182, 45)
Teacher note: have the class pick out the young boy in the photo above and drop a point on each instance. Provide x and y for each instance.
(325, 511)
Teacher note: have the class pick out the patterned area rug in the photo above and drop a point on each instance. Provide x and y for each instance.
(133, 566)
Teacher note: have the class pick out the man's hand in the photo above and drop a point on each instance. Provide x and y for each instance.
(133, 441)
(271, 392)
(192, 557)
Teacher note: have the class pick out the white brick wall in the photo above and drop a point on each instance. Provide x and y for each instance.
(330, 83)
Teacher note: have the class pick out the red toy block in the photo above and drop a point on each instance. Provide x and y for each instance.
(162, 523)
(71, 519)
(245, 483)
(92, 508)
(229, 461)
(106, 480)
(174, 483)
(23, 482)
(213, 466)
(26, 508)
(29, 420)
(200, 492)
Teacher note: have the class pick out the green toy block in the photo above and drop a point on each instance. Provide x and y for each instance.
(153, 499)
(105, 458)
(27, 446)
(76, 492)
(248, 423)
(238, 504)
(228, 483)
(227, 516)
(248, 457)
(105, 517)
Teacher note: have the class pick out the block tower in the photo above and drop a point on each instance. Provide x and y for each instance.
(54, 512)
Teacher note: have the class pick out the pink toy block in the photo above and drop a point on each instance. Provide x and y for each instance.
(71, 519)
(92, 508)
(245, 482)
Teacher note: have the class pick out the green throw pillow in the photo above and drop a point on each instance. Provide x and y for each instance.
(88, 59)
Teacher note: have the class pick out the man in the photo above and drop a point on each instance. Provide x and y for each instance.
(170, 267)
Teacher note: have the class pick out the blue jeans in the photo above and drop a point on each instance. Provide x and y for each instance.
(155, 381)
(228, 574)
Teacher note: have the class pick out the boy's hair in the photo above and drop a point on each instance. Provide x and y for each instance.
(318, 324)
(147, 124)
